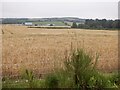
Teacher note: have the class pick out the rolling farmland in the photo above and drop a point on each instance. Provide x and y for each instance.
(41, 50)
(44, 23)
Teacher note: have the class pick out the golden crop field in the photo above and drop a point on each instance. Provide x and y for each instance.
(43, 49)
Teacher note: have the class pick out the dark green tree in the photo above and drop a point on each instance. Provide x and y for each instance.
(74, 25)
(51, 24)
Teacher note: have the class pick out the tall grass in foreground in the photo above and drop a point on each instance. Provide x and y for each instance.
(30, 78)
(80, 72)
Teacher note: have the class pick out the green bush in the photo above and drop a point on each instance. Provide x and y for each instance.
(79, 65)
(84, 72)
(65, 79)
(51, 81)
(115, 79)
(80, 72)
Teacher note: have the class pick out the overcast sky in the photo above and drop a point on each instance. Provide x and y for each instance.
(107, 9)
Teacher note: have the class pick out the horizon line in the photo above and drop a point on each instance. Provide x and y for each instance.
(62, 17)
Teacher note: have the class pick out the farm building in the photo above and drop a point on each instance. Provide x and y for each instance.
(50, 24)
(28, 23)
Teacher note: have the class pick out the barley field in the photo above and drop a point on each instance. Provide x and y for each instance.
(42, 50)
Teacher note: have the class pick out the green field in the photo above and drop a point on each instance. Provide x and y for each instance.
(70, 23)
(44, 23)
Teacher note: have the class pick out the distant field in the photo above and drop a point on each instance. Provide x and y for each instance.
(44, 23)
(43, 49)
(70, 23)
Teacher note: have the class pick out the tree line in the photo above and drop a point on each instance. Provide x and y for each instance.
(98, 24)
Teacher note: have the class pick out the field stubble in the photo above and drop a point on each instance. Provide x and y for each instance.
(41, 50)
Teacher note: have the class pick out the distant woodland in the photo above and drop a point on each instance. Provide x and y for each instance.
(75, 22)
(98, 24)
